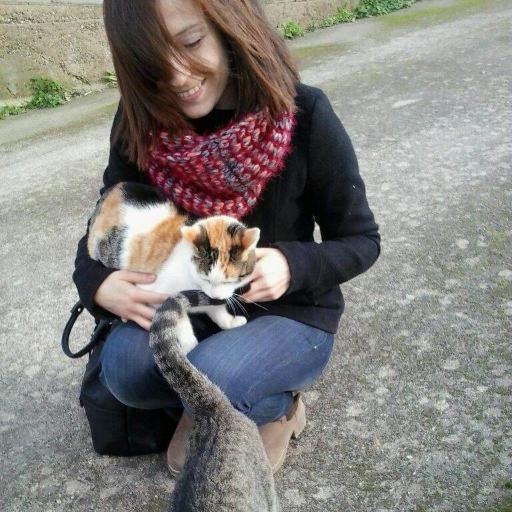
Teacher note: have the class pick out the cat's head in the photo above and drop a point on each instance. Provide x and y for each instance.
(223, 255)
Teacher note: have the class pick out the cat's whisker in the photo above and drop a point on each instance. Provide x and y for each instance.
(252, 302)
(233, 303)
(240, 305)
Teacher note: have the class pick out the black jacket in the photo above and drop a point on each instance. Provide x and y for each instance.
(321, 183)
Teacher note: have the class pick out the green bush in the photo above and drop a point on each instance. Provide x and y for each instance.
(344, 15)
(46, 93)
(368, 8)
(291, 29)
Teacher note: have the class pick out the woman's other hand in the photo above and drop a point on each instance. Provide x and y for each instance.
(120, 295)
(270, 278)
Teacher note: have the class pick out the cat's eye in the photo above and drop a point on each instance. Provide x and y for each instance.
(234, 254)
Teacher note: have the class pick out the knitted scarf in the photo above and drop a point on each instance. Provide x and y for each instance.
(223, 172)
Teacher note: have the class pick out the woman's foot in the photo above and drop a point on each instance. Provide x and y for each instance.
(277, 434)
(177, 448)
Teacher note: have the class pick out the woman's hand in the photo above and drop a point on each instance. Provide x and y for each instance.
(270, 277)
(119, 295)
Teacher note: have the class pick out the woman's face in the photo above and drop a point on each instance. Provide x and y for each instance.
(198, 95)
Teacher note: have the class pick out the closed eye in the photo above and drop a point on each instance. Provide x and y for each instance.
(194, 44)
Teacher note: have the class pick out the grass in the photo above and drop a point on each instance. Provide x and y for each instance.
(110, 79)
(45, 94)
(11, 110)
(342, 15)
(365, 9)
(434, 14)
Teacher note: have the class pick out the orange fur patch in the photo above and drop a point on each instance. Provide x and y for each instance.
(149, 251)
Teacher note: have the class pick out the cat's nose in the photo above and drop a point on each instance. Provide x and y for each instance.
(220, 293)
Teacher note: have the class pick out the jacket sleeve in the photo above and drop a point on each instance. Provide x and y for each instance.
(89, 273)
(350, 238)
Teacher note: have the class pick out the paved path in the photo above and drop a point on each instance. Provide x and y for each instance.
(413, 413)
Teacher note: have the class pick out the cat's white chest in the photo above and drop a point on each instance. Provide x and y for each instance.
(175, 274)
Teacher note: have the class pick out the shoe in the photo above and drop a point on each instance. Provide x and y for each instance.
(177, 448)
(277, 434)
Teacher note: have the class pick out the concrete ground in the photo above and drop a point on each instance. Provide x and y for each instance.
(414, 411)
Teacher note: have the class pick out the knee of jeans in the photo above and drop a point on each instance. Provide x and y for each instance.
(206, 365)
(224, 376)
(263, 411)
(270, 408)
(121, 376)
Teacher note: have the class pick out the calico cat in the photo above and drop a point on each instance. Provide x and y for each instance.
(135, 227)
(226, 469)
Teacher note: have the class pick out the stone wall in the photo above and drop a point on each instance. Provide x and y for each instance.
(65, 40)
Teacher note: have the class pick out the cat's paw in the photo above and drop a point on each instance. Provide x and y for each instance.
(223, 319)
(238, 321)
(186, 336)
(230, 322)
(188, 344)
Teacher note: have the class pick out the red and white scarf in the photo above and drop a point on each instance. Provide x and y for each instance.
(223, 172)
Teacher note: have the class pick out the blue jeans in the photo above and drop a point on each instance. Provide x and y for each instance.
(257, 365)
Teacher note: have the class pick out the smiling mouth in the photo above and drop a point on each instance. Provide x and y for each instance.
(190, 92)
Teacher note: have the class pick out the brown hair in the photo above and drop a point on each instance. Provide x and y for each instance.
(142, 52)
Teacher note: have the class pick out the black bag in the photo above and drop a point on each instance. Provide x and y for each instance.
(116, 429)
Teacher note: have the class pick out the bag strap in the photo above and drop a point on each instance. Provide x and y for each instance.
(100, 329)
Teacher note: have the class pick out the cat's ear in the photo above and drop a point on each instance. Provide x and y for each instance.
(250, 238)
(190, 233)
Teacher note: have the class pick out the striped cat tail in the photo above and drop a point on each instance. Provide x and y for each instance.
(171, 320)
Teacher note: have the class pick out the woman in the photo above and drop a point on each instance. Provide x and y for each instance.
(206, 66)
